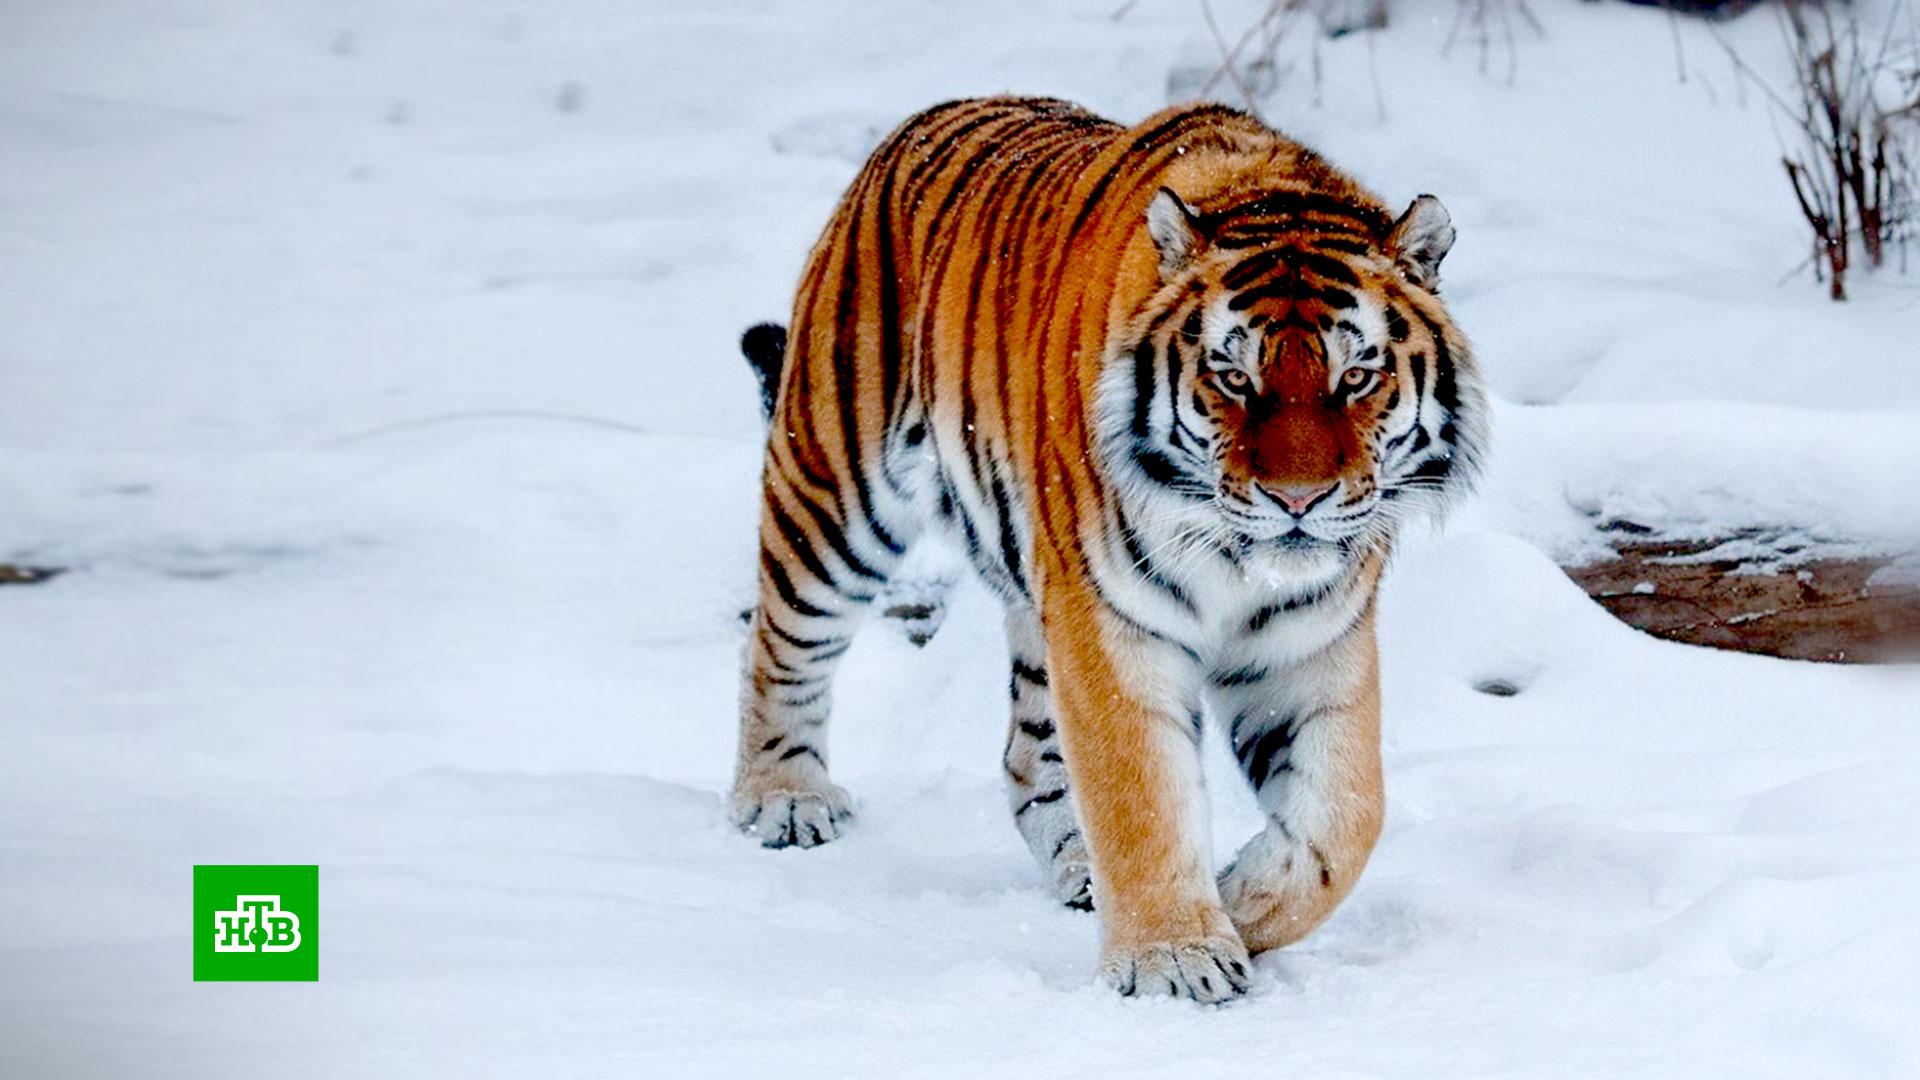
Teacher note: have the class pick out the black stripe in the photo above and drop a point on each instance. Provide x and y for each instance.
(968, 531)
(1292, 289)
(804, 644)
(1417, 363)
(846, 357)
(836, 537)
(1144, 356)
(777, 574)
(796, 751)
(1326, 871)
(1059, 472)
(1394, 443)
(1259, 620)
(937, 232)
(1256, 267)
(804, 700)
(1042, 157)
(890, 325)
(1186, 439)
(1242, 676)
(1142, 563)
(1397, 327)
(1435, 469)
(1009, 541)
(1106, 179)
(1258, 753)
(822, 482)
(1139, 627)
(1069, 540)
(951, 143)
(1163, 470)
(1342, 245)
(1262, 617)
(1142, 145)
(799, 543)
(1345, 235)
(1172, 366)
(1041, 799)
(1328, 267)
(1446, 389)
(1032, 673)
(986, 229)
(1066, 838)
(1290, 204)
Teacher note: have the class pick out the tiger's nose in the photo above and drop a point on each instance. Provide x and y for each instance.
(1297, 499)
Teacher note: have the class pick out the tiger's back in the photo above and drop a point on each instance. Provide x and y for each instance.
(918, 319)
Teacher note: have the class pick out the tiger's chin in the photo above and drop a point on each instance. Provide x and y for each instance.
(1294, 559)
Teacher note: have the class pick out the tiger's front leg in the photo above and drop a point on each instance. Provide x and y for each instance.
(1307, 736)
(1127, 700)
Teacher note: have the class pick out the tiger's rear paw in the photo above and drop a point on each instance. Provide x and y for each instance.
(780, 819)
(1208, 970)
(917, 607)
(1075, 887)
(1073, 872)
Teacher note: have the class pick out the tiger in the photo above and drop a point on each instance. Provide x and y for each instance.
(1176, 388)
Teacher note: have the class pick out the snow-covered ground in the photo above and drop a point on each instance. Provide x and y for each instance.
(372, 365)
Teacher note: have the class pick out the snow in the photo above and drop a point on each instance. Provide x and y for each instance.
(372, 365)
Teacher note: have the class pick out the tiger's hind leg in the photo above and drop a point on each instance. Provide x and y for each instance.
(1036, 774)
(814, 587)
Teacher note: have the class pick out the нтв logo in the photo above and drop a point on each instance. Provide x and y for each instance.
(256, 923)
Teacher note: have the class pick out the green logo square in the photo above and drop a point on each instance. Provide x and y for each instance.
(256, 924)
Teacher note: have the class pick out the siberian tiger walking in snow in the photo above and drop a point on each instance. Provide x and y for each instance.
(1175, 387)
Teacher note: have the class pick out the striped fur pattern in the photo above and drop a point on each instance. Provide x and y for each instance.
(1175, 387)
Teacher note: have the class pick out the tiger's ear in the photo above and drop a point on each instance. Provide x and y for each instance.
(1175, 229)
(1420, 239)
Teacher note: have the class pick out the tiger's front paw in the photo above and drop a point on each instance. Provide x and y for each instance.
(1209, 970)
(1254, 898)
(792, 818)
(1276, 894)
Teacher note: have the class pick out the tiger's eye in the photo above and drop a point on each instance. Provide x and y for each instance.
(1235, 380)
(1354, 378)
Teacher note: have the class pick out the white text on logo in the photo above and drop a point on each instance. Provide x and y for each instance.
(256, 925)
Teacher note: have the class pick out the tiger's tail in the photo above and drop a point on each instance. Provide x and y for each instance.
(765, 347)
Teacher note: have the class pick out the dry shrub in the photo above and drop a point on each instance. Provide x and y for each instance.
(1853, 129)
(1268, 52)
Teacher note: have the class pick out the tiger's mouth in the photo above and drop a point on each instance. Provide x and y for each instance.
(1298, 539)
(1258, 527)
(1336, 533)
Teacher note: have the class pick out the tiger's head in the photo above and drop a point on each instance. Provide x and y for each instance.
(1294, 373)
